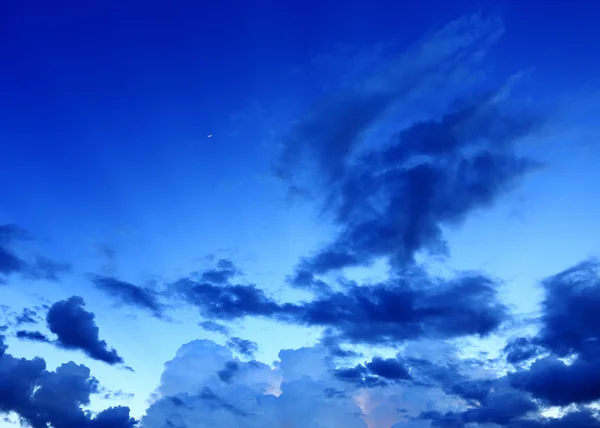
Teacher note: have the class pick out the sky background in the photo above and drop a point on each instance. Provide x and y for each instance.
(230, 213)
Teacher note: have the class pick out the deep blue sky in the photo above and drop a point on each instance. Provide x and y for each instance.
(246, 214)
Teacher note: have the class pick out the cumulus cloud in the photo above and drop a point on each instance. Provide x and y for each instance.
(254, 396)
(41, 397)
(130, 294)
(76, 328)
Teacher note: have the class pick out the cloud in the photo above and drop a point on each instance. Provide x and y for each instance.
(224, 272)
(28, 316)
(215, 327)
(521, 349)
(394, 202)
(307, 389)
(570, 309)
(245, 347)
(247, 398)
(77, 329)
(403, 308)
(117, 395)
(130, 294)
(569, 330)
(34, 336)
(41, 397)
(11, 263)
(227, 373)
(50, 270)
(389, 368)
(328, 135)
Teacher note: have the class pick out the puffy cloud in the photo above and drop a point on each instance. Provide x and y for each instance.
(130, 294)
(55, 398)
(254, 396)
(77, 329)
(205, 385)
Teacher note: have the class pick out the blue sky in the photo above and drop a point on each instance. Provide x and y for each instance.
(245, 214)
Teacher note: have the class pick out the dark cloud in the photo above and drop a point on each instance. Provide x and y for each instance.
(224, 272)
(560, 384)
(580, 418)
(34, 336)
(570, 309)
(245, 347)
(227, 373)
(117, 395)
(44, 268)
(569, 329)
(501, 409)
(113, 417)
(399, 211)
(226, 302)
(394, 202)
(41, 398)
(358, 376)
(11, 263)
(12, 232)
(76, 329)
(130, 294)
(28, 316)
(331, 343)
(401, 309)
(215, 327)
(521, 349)
(377, 372)
(389, 368)
(331, 131)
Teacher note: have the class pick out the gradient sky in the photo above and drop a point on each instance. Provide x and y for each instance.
(365, 214)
